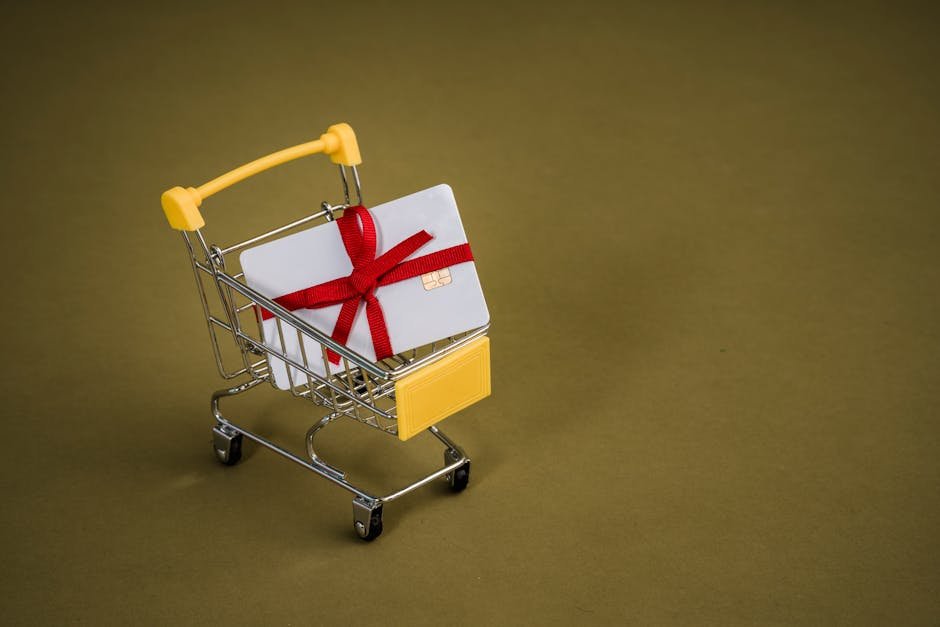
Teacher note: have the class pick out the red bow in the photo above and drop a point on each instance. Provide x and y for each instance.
(369, 272)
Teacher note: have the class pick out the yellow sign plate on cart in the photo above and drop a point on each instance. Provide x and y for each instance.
(443, 388)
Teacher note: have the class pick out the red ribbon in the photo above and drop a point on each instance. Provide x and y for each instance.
(357, 229)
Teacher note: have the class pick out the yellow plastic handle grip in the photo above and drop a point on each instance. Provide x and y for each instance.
(181, 204)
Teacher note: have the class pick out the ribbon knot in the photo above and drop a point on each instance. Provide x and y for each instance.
(357, 229)
(364, 283)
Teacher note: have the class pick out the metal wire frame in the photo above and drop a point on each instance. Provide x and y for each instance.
(360, 390)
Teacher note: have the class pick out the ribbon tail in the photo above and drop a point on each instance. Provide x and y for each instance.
(428, 263)
(347, 315)
(323, 295)
(380, 339)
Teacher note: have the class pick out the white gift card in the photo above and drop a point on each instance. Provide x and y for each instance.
(418, 311)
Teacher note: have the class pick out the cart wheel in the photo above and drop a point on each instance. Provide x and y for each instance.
(460, 478)
(227, 446)
(375, 525)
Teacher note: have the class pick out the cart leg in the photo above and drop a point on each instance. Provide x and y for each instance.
(227, 444)
(367, 518)
(459, 477)
(226, 440)
(315, 459)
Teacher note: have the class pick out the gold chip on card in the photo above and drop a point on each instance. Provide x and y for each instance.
(436, 279)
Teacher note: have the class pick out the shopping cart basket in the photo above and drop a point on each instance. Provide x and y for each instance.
(401, 395)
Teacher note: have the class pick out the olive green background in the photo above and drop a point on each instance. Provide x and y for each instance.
(708, 236)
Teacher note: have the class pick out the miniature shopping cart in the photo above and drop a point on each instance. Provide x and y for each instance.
(401, 395)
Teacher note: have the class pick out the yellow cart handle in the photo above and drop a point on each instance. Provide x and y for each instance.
(181, 205)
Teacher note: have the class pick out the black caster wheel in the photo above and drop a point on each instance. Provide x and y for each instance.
(374, 530)
(227, 446)
(459, 479)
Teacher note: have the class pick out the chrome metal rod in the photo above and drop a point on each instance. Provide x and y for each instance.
(355, 172)
(414, 486)
(311, 452)
(446, 440)
(342, 176)
(217, 414)
(323, 382)
(321, 468)
(272, 233)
